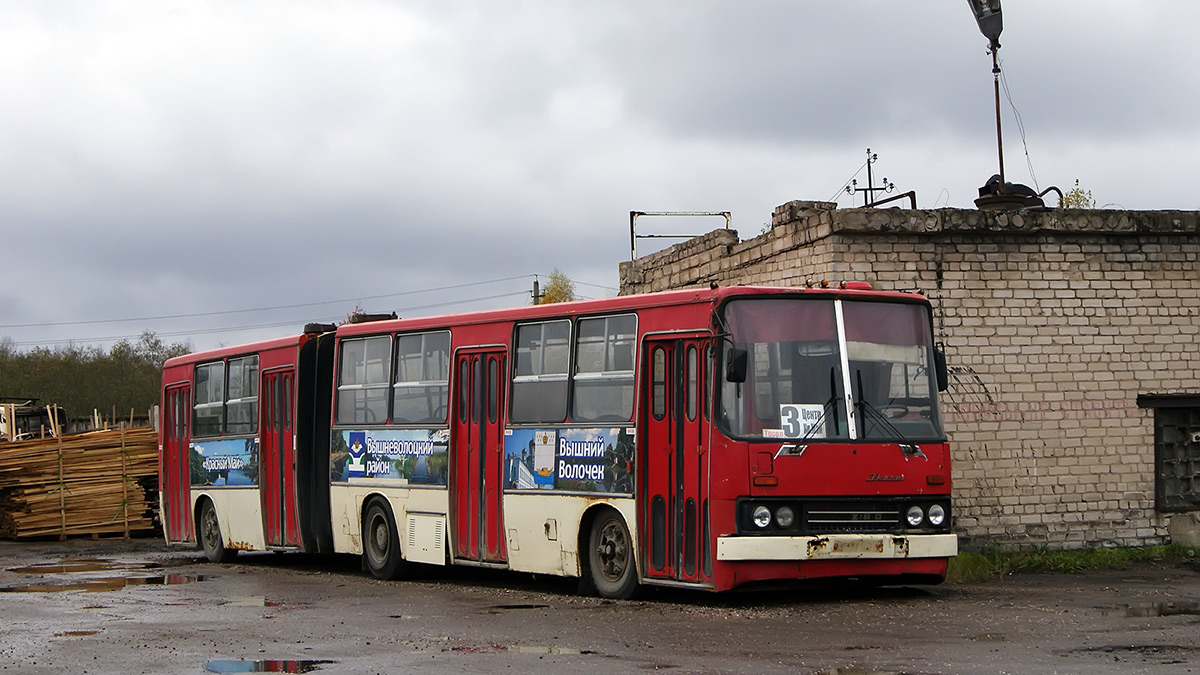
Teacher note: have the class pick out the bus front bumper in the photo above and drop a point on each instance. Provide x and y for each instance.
(838, 547)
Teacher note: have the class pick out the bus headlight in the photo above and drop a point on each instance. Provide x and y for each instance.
(762, 516)
(915, 516)
(937, 515)
(785, 516)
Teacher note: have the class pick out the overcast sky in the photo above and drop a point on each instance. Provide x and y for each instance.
(173, 162)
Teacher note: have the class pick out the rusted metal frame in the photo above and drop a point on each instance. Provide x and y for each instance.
(634, 236)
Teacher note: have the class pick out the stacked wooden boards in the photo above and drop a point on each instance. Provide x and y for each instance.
(95, 483)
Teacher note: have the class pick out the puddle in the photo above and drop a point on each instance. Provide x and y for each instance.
(248, 601)
(1159, 654)
(1149, 609)
(264, 666)
(496, 609)
(106, 584)
(259, 601)
(534, 649)
(476, 649)
(73, 566)
(521, 649)
(78, 565)
(853, 671)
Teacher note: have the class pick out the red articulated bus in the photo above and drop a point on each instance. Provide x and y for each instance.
(701, 438)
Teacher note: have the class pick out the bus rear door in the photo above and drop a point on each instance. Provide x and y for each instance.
(176, 477)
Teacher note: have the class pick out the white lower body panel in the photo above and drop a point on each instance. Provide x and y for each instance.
(239, 514)
(346, 508)
(838, 547)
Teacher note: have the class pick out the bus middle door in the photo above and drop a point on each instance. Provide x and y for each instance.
(277, 458)
(673, 461)
(477, 456)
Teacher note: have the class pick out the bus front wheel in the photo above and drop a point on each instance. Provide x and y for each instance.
(381, 545)
(210, 535)
(610, 556)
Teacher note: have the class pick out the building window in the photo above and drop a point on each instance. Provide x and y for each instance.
(1176, 450)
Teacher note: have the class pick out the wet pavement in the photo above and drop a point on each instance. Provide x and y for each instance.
(114, 606)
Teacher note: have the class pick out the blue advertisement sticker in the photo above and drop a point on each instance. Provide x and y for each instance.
(575, 460)
(415, 456)
(225, 461)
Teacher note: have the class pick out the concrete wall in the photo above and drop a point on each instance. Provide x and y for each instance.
(1054, 322)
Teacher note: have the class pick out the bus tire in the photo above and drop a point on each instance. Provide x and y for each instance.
(381, 544)
(211, 538)
(611, 563)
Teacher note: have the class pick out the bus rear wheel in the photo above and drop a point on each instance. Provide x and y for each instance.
(381, 544)
(210, 535)
(610, 556)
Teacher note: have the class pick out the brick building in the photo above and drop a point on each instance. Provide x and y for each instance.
(1073, 338)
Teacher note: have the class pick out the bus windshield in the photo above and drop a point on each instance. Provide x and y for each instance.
(826, 369)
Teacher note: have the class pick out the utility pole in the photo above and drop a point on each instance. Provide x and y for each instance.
(870, 190)
(537, 293)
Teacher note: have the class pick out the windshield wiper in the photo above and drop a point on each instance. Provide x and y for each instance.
(868, 410)
(831, 404)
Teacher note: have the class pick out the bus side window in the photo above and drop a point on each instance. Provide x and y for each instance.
(539, 386)
(241, 410)
(422, 378)
(363, 373)
(209, 411)
(602, 388)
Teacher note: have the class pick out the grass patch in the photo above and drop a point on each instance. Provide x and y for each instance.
(993, 562)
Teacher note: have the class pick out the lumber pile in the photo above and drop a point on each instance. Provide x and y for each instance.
(100, 482)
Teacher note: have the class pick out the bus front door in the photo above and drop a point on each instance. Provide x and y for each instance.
(174, 467)
(477, 457)
(673, 461)
(277, 458)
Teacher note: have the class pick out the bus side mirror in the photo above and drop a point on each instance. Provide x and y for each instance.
(735, 369)
(939, 364)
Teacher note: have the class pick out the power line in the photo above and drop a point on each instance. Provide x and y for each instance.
(259, 309)
(584, 283)
(836, 195)
(259, 326)
(1020, 126)
(236, 329)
